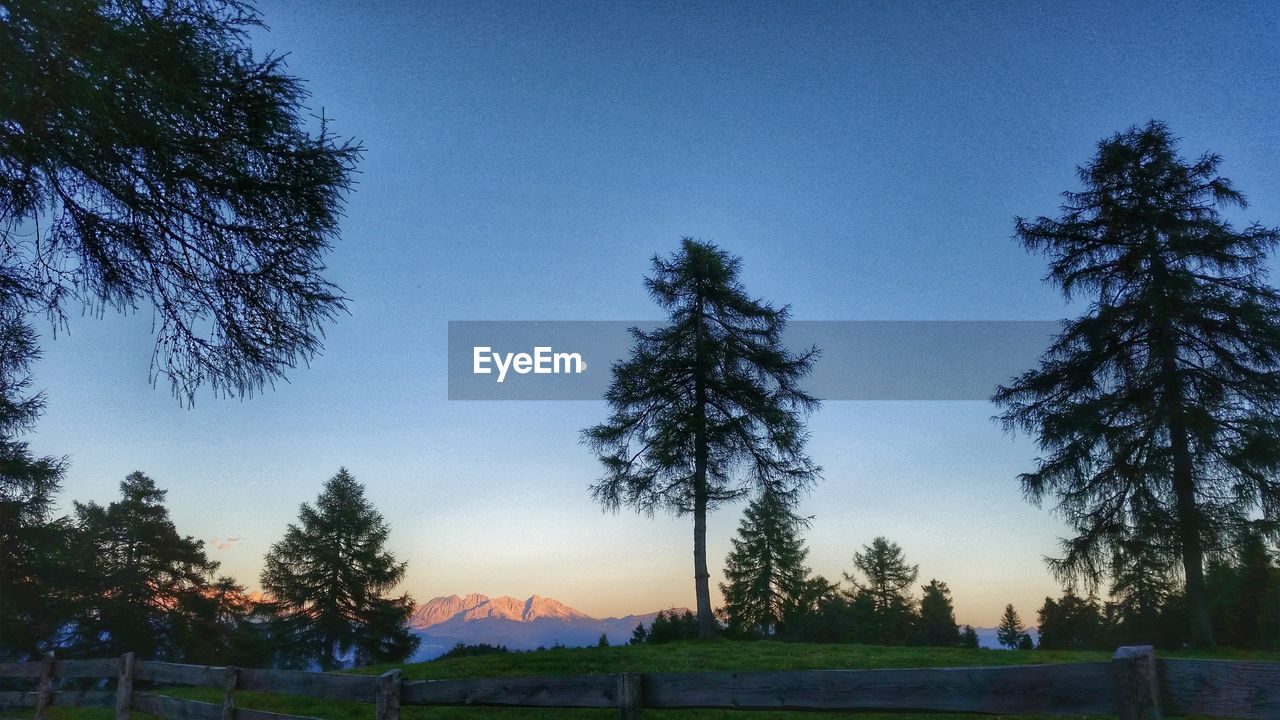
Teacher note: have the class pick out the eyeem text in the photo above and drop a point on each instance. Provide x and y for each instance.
(542, 362)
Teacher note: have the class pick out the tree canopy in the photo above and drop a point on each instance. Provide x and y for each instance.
(707, 408)
(1011, 632)
(141, 580)
(326, 582)
(30, 539)
(937, 624)
(765, 572)
(148, 156)
(1156, 410)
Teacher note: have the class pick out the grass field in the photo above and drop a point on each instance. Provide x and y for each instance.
(679, 657)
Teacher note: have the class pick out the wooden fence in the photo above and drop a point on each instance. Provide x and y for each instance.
(1133, 686)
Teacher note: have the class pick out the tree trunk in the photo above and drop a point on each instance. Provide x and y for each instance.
(701, 577)
(1189, 538)
(1165, 349)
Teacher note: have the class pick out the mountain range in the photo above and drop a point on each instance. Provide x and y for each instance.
(533, 622)
(526, 624)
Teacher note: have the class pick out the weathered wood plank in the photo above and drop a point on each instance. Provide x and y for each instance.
(96, 668)
(1137, 689)
(1067, 689)
(1220, 688)
(630, 698)
(124, 686)
(361, 688)
(17, 699)
(586, 691)
(83, 698)
(59, 698)
(45, 688)
(231, 676)
(387, 706)
(175, 709)
(104, 668)
(247, 714)
(164, 673)
(20, 669)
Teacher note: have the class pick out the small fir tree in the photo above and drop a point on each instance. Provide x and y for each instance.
(1010, 631)
(767, 578)
(937, 625)
(327, 580)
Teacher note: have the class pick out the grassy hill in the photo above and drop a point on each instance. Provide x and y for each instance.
(679, 657)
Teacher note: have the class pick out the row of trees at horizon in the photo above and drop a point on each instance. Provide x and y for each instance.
(106, 580)
(1156, 412)
(770, 593)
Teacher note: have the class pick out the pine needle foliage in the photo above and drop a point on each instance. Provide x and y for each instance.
(327, 580)
(708, 408)
(1010, 632)
(1157, 409)
(147, 156)
(765, 572)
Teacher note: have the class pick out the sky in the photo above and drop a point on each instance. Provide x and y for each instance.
(524, 161)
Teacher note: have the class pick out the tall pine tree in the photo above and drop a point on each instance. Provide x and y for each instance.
(767, 578)
(1158, 410)
(706, 409)
(327, 580)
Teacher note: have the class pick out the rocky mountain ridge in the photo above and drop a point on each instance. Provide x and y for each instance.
(518, 624)
(475, 607)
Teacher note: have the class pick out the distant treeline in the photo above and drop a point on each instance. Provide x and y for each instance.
(770, 594)
(103, 581)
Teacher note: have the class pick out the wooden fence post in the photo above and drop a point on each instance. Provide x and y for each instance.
(44, 691)
(388, 707)
(630, 703)
(229, 694)
(124, 688)
(1137, 687)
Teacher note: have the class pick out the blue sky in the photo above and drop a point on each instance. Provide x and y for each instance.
(525, 160)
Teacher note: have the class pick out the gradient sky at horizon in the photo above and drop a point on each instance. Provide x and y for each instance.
(525, 160)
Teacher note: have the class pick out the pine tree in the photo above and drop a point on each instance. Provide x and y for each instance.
(1142, 583)
(217, 624)
(888, 579)
(140, 574)
(671, 626)
(969, 638)
(1256, 588)
(32, 544)
(1073, 623)
(767, 578)
(1157, 409)
(706, 409)
(1010, 631)
(326, 582)
(937, 625)
(1242, 586)
(149, 157)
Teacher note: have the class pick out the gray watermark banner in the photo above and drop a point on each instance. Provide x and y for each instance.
(861, 359)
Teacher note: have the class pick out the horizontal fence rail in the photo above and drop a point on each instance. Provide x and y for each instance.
(1133, 686)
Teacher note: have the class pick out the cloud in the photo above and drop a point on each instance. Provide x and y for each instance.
(224, 543)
